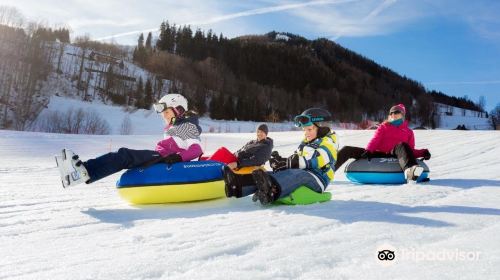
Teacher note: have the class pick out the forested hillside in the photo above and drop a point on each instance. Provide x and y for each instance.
(276, 75)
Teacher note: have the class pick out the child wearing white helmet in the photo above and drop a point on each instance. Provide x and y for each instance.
(181, 143)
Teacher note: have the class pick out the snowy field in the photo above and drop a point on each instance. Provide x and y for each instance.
(445, 229)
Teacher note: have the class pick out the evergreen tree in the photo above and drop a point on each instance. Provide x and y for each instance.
(200, 101)
(148, 45)
(229, 113)
(171, 35)
(140, 41)
(242, 109)
(148, 94)
(160, 43)
(139, 94)
(184, 41)
(217, 107)
(140, 54)
(198, 45)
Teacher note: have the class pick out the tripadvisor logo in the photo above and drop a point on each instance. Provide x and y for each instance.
(387, 255)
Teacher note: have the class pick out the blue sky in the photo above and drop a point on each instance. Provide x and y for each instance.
(447, 45)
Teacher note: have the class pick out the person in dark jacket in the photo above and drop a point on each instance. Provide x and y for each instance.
(253, 153)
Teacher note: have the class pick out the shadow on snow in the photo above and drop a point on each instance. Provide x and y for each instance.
(344, 211)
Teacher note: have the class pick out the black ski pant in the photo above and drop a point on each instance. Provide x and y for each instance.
(113, 162)
(402, 151)
(245, 185)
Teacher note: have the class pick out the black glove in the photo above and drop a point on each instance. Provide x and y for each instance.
(172, 158)
(277, 162)
(275, 154)
(293, 161)
(427, 154)
(367, 154)
(242, 154)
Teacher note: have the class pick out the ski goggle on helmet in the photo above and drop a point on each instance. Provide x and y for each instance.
(316, 116)
(160, 107)
(175, 101)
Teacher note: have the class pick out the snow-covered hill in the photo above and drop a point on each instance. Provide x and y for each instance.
(445, 229)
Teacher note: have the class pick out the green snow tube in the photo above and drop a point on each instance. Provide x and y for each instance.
(304, 195)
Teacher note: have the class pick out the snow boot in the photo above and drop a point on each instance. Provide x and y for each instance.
(71, 169)
(266, 192)
(232, 187)
(412, 173)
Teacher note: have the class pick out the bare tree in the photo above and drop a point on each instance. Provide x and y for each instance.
(72, 122)
(11, 16)
(25, 61)
(126, 126)
(94, 124)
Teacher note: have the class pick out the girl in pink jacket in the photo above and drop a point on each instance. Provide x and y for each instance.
(181, 143)
(393, 138)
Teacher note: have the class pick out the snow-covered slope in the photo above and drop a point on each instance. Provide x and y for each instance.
(445, 229)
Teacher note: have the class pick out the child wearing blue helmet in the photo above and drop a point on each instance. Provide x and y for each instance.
(311, 165)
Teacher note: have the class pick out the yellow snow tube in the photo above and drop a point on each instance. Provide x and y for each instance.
(172, 193)
(247, 170)
(178, 182)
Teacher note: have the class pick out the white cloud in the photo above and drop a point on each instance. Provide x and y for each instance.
(103, 18)
(363, 18)
(326, 18)
(85, 23)
(247, 13)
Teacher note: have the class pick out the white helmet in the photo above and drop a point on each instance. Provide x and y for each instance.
(172, 100)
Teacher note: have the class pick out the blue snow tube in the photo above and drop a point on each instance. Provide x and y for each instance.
(380, 171)
(178, 182)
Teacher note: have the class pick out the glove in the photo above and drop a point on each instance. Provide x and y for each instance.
(277, 162)
(292, 161)
(427, 154)
(172, 158)
(275, 154)
(367, 154)
(242, 154)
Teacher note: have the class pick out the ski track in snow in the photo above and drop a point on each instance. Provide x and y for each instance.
(88, 232)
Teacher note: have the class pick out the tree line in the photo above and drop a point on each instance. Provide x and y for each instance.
(277, 75)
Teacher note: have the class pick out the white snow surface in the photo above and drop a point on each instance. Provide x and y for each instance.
(445, 229)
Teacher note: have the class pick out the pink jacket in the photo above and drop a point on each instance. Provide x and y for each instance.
(387, 136)
(183, 138)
